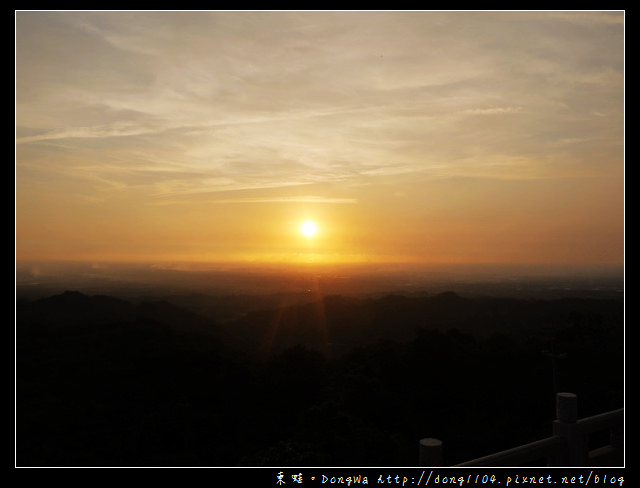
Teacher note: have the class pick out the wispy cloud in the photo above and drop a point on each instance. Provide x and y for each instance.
(492, 110)
(291, 199)
(122, 129)
(372, 88)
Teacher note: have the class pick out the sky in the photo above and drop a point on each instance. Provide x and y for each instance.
(406, 136)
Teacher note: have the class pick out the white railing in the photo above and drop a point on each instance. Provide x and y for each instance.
(567, 446)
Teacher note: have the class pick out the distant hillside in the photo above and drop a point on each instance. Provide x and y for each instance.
(337, 324)
(333, 324)
(75, 310)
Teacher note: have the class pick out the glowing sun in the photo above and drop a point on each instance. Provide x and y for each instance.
(308, 228)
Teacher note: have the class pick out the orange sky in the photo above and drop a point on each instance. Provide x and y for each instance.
(438, 137)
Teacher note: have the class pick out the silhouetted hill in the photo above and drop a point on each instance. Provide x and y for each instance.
(224, 308)
(340, 381)
(337, 324)
(73, 308)
(333, 325)
(101, 382)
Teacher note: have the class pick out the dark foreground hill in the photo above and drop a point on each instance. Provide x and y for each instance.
(338, 382)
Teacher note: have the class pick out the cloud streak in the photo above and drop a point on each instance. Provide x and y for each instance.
(280, 199)
(331, 83)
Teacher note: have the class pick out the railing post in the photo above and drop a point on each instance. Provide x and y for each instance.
(616, 436)
(431, 452)
(566, 427)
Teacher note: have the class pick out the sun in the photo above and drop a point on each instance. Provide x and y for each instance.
(308, 228)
